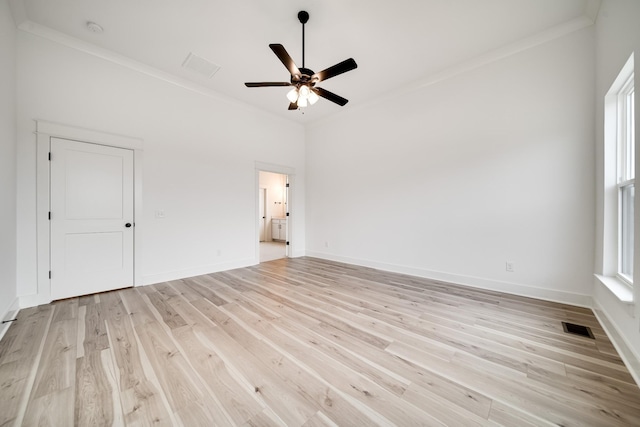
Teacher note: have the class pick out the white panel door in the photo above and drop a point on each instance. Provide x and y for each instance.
(91, 218)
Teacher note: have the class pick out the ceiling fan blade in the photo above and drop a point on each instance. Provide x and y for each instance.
(342, 67)
(330, 96)
(282, 54)
(293, 106)
(267, 84)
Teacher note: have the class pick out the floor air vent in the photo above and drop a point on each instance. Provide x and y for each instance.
(572, 328)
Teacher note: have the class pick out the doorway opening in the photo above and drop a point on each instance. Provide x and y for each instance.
(273, 215)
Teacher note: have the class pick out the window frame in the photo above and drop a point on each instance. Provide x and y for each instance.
(607, 272)
(625, 172)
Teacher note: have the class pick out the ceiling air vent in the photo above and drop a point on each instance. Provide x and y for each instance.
(200, 65)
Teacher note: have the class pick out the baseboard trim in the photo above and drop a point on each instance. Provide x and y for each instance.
(167, 276)
(10, 313)
(579, 300)
(629, 357)
(32, 300)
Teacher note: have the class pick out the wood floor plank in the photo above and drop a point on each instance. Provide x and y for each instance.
(333, 405)
(334, 344)
(507, 416)
(319, 420)
(264, 419)
(274, 390)
(201, 288)
(169, 316)
(57, 369)
(94, 404)
(236, 398)
(20, 353)
(310, 342)
(357, 331)
(138, 311)
(566, 409)
(95, 334)
(139, 398)
(349, 382)
(441, 409)
(14, 385)
(53, 409)
(26, 334)
(52, 397)
(178, 381)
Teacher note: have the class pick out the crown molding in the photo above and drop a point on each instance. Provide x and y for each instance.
(589, 17)
(18, 11)
(116, 58)
(487, 58)
(592, 8)
(508, 50)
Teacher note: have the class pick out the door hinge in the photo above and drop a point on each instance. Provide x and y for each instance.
(287, 185)
(49, 215)
(49, 274)
(287, 213)
(49, 155)
(287, 243)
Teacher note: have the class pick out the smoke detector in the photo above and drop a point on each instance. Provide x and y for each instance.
(94, 28)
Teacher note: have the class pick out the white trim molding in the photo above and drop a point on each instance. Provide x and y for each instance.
(167, 276)
(580, 300)
(24, 24)
(44, 132)
(10, 313)
(623, 292)
(291, 219)
(494, 55)
(626, 352)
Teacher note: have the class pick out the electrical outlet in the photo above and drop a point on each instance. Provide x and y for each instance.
(509, 267)
(160, 214)
(326, 244)
(218, 252)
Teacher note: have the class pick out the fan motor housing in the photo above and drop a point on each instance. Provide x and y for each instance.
(305, 76)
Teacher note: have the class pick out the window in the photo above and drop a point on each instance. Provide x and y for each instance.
(620, 173)
(626, 177)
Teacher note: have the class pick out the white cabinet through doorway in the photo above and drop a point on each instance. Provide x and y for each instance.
(278, 229)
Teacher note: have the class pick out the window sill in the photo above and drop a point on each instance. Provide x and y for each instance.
(617, 287)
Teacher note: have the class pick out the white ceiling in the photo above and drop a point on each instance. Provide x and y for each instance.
(396, 44)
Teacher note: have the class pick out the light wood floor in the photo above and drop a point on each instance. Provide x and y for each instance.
(306, 342)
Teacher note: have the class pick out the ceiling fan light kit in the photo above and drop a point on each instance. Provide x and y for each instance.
(303, 79)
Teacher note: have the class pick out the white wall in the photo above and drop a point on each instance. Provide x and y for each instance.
(8, 300)
(617, 36)
(199, 158)
(452, 180)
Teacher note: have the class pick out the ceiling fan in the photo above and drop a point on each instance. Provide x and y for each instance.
(303, 79)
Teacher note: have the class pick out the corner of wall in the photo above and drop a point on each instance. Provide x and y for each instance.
(7, 315)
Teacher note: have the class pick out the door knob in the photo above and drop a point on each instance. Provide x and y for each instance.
(128, 225)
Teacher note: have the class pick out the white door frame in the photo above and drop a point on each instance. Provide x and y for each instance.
(44, 132)
(291, 173)
(262, 219)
